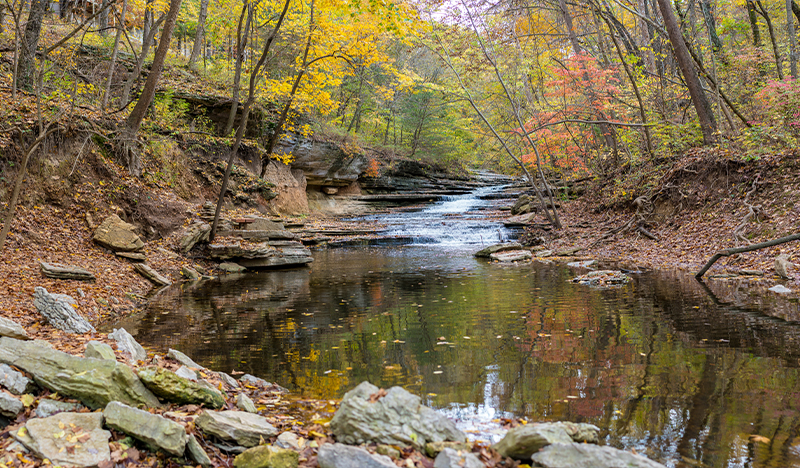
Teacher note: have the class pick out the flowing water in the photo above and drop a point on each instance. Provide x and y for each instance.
(662, 365)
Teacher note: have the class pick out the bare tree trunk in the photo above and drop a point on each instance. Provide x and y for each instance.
(134, 75)
(120, 30)
(707, 123)
(27, 61)
(134, 121)
(254, 74)
(241, 44)
(764, 14)
(751, 15)
(103, 19)
(792, 39)
(708, 18)
(200, 34)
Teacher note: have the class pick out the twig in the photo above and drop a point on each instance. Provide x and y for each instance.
(749, 248)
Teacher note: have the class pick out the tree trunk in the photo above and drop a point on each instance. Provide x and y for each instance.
(134, 121)
(708, 18)
(103, 19)
(792, 39)
(120, 29)
(254, 74)
(701, 104)
(764, 14)
(134, 75)
(751, 14)
(27, 61)
(2, 18)
(199, 35)
(241, 43)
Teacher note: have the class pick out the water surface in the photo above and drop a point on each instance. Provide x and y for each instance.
(662, 365)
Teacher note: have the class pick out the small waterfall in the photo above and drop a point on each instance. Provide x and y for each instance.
(454, 220)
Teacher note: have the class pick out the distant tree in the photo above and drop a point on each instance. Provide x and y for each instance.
(199, 33)
(27, 60)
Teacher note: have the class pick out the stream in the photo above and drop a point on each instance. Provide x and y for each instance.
(663, 365)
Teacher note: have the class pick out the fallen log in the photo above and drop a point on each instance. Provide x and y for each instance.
(748, 248)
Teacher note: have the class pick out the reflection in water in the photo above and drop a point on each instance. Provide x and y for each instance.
(659, 365)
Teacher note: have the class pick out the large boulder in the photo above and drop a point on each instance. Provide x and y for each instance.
(345, 456)
(267, 456)
(242, 428)
(237, 250)
(12, 329)
(183, 359)
(486, 252)
(511, 256)
(398, 417)
(117, 235)
(522, 441)
(284, 256)
(573, 455)
(451, 458)
(67, 439)
(176, 389)
(95, 382)
(152, 429)
(59, 310)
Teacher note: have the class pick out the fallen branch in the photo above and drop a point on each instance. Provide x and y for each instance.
(749, 248)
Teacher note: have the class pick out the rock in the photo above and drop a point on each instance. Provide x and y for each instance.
(519, 220)
(94, 382)
(230, 267)
(396, 418)
(522, 201)
(98, 350)
(189, 273)
(263, 224)
(132, 256)
(117, 235)
(451, 458)
(14, 381)
(60, 312)
(48, 407)
(152, 429)
(242, 428)
(780, 289)
(197, 232)
(59, 271)
(582, 264)
(267, 456)
(229, 381)
(244, 403)
(171, 387)
(498, 248)
(573, 455)
(435, 448)
(602, 278)
(345, 456)
(127, 344)
(186, 373)
(568, 252)
(183, 359)
(544, 253)
(388, 450)
(512, 255)
(330, 190)
(751, 272)
(284, 256)
(168, 253)
(522, 441)
(12, 329)
(254, 381)
(196, 451)
(783, 265)
(67, 439)
(10, 405)
(151, 275)
(236, 250)
(288, 440)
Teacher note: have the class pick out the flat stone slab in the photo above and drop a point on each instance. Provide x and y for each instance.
(484, 253)
(152, 429)
(117, 235)
(451, 458)
(94, 382)
(132, 256)
(48, 407)
(151, 275)
(267, 456)
(511, 255)
(236, 250)
(10, 406)
(183, 359)
(67, 439)
(59, 271)
(14, 381)
(242, 428)
(174, 388)
(345, 456)
(587, 455)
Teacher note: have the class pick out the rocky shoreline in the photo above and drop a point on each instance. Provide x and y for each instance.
(118, 405)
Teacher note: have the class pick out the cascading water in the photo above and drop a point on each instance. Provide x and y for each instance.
(456, 220)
